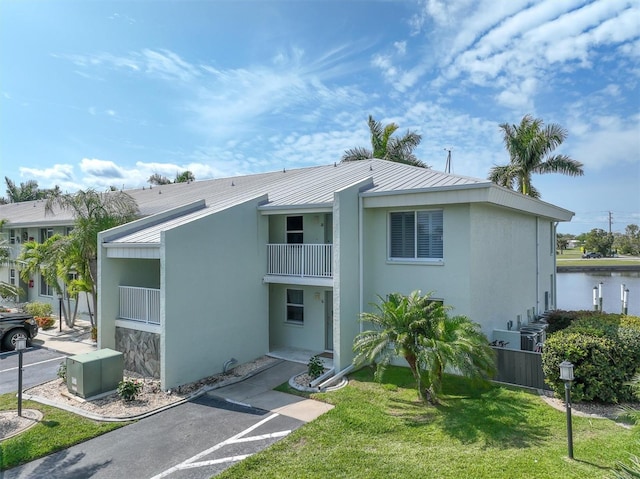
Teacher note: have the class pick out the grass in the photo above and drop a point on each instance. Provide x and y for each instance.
(573, 257)
(57, 430)
(380, 430)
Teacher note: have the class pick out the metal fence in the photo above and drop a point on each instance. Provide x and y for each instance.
(523, 368)
(140, 304)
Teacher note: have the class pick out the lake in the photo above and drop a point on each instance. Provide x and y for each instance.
(575, 290)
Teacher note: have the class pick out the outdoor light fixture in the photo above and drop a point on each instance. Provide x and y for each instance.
(566, 375)
(21, 344)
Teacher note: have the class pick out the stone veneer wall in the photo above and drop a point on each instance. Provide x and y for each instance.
(141, 351)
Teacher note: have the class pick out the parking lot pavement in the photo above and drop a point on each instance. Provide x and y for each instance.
(38, 366)
(194, 440)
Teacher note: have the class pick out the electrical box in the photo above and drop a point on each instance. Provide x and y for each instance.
(94, 373)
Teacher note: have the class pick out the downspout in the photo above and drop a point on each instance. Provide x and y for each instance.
(360, 257)
(554, 288)
(333, 379)
(537, 311)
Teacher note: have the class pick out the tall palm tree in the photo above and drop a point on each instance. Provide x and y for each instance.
(387, 147)
(530, 145)
(93, 212)
(419, 329)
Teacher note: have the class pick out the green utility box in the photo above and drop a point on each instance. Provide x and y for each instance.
(94, 373)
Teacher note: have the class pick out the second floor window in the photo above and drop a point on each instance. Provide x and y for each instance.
(294, 230)
(416, 235)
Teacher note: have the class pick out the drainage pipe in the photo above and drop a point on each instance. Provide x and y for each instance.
(333, 379)
(321, 378)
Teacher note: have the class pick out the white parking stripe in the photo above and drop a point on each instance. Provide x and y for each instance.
(191, 462)
(33, 364)
(213, 462)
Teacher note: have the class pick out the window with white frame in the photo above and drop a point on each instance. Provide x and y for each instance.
(295, 306)
(45, 289)
(12, 276)
(45, 234)
(294, 230)
(12, 237)
(416, 235)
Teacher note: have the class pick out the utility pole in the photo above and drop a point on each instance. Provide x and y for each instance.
(610, 220)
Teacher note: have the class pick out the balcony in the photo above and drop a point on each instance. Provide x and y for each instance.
(140, 304)
(300, 260)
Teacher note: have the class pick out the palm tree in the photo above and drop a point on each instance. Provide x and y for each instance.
(386, 147)
(530, 145)
(419, 329)
(93, 212)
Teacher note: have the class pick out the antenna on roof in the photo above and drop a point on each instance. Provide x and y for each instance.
(447, 166)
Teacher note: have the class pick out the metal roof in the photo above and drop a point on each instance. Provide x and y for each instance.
(295, 188)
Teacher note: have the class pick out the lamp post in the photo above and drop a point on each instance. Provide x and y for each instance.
(60, 310)
(566, 374)
(595, 298)
(21, 344)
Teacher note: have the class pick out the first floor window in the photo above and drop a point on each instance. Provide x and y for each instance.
(12, 276)
(45, 234)
(45, 289)
(416, 234)
(295, 306)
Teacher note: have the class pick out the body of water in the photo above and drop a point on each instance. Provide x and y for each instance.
(575, 290)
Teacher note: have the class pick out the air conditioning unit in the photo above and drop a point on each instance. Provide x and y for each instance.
(94, 373)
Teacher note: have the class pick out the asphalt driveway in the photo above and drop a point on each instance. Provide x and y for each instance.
(195, 440)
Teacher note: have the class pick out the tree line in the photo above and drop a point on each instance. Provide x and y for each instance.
(600, 241)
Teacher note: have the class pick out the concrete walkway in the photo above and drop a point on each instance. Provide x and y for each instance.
(71, 341)
(257, 392)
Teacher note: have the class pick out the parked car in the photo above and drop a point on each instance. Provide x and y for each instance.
(14, 326)
(592, 255)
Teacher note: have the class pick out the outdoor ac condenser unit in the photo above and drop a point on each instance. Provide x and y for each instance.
(94, 373)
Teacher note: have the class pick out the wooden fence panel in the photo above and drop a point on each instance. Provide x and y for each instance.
(523, 368)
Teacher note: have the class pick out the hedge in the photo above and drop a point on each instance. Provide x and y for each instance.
(605, 352)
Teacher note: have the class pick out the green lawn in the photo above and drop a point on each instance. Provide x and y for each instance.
(58, 430)
(382, 431)
(573, 257)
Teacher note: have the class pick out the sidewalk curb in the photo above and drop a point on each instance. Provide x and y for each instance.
(200, 392)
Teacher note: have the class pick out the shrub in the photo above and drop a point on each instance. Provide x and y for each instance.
(44, 322)
(37, 308)
(315, 367)
(605, 352)
(128, 389)
(62, 371)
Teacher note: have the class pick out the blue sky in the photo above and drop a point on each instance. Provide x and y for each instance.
(97, 93)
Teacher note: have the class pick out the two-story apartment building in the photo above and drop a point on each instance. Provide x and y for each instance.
(286, 261)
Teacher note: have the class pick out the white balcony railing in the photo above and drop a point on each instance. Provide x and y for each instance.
(140, 304)
(304, 260)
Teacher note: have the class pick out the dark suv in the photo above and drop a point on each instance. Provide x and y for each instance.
(14, 326)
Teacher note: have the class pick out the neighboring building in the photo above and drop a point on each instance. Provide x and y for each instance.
(286, 261)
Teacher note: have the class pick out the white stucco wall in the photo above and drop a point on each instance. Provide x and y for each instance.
(313, 224)
(447, 280)
(311, 334)
(346, 273)
(214, 302)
